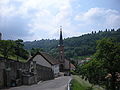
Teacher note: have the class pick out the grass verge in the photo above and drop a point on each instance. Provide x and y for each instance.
(76, 85)
(80, 84)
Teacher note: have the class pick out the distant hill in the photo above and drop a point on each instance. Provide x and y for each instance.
(76, 46)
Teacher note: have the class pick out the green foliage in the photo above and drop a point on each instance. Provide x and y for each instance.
(13, 49)
(106, 61)
(19, 49)
(84, 45)
(33, 51)
(6, 48)
(80, 84)
(90, 88)
(108, 52)
(76, 85)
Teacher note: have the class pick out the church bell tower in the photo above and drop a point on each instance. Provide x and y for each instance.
(61, 47)
(61, 52)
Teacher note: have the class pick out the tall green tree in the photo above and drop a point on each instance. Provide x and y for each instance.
(108, 52)
(105, 66)
(19, 49)
(7, 48)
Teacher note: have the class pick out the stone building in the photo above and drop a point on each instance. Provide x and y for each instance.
(47, 67)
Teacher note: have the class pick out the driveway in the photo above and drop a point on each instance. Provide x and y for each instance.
(59, 83)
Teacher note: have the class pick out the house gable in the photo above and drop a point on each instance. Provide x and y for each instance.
(41, 61)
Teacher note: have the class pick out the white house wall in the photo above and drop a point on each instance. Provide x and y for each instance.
(41, 61)
(55, 68)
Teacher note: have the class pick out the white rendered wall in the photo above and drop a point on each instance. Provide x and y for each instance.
(41, 61)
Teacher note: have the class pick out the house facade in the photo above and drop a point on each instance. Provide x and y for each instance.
(46, 60)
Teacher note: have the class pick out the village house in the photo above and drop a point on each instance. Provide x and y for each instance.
(45, 60)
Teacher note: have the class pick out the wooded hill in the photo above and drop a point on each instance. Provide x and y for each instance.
(84, 45)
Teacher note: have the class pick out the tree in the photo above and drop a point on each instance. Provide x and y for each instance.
(6, 48)
(19, 49)
(33, 51)
(108, 52)
(92, 32)
(106, 30)
(13, 48)
(104, 68)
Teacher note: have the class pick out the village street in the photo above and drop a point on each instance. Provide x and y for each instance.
(59, 83)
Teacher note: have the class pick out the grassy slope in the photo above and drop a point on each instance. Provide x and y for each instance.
(80, 84)
(15, 58)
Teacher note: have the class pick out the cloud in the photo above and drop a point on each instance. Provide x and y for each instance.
(49, 17)
(99, 18)
(37, 19)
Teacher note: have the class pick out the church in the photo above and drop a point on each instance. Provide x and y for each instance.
(64, 63)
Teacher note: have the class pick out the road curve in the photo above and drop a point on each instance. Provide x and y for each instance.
(59, 83)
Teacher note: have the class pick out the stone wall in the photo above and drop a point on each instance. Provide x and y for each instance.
(1, 73)
(44, 73)
(14, 73)
(29, 79)
(11, 72)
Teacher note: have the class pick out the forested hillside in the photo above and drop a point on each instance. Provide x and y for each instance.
(76, 46)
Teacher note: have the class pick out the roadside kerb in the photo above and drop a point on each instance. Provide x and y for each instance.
(69, 84)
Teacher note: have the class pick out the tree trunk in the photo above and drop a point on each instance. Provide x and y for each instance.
(113, 80)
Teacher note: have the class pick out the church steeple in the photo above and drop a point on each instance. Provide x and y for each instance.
(61, 47)
(61, 39)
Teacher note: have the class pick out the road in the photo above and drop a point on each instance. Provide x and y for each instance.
(59, 83)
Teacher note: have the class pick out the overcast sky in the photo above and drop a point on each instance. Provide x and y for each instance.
(41, 19)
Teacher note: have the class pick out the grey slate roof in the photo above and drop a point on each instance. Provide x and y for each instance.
(47, 57)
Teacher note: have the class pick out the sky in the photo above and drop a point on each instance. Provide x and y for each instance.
(41, 19)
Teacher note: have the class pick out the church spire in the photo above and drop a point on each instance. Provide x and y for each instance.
(61, 51)
(61, 39)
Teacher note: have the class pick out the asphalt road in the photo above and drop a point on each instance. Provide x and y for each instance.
(56, 84)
